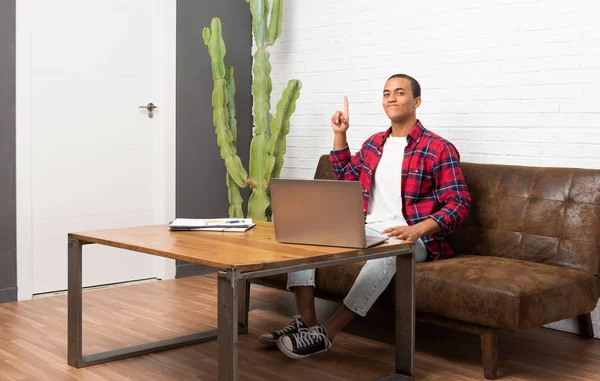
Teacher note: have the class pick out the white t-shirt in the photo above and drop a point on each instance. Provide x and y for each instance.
(385, 203)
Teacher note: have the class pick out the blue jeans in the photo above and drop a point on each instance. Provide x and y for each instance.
(374, 277)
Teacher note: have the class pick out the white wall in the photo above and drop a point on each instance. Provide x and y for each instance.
(507, 81)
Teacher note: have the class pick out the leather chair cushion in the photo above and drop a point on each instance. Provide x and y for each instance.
(504, 293)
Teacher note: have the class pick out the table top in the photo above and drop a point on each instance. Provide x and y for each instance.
(255, 249)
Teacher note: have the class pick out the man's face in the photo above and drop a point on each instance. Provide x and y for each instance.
(398, 101)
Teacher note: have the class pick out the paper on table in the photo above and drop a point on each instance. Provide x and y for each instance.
(212, 224)
(216, 229)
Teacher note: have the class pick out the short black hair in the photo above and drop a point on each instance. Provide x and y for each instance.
(416, 88)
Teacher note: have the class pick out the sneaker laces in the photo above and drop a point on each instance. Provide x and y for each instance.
(293, 325)
(310, 336)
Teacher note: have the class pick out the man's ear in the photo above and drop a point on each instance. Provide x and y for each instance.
(417, 102)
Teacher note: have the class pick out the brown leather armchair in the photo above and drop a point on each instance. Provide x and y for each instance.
(529, 255)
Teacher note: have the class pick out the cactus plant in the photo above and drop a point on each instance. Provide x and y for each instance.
(268, 145)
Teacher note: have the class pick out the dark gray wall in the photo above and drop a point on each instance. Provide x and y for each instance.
(201, 190)
(8, 231)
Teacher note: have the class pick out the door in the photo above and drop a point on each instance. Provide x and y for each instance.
(97, 161)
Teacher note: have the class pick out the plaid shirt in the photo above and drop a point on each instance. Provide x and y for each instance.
(432, 184)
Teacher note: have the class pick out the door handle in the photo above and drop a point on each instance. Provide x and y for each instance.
(150, 107)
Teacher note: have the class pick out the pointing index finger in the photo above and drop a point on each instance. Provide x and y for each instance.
(345, 105)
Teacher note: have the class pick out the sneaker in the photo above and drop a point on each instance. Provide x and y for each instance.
(306, 342)
(270, 339)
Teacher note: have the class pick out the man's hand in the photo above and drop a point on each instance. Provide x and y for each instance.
(413, 233)
(407, 233)
(340, 121)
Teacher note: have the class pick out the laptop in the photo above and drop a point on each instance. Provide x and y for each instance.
(320, 212)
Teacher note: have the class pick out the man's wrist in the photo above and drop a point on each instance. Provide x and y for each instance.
(420, 229)
(427, 227)
(339, 140)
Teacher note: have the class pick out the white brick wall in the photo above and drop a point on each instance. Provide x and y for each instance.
(507, 81)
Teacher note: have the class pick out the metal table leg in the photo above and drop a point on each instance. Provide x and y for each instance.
(405, 319)
(74, 345)
(228, 324)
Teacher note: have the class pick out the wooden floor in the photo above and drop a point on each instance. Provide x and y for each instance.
(33, 337)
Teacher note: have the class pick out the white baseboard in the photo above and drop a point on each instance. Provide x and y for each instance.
(572, 325)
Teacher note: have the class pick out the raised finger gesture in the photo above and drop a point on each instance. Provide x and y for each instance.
(340, 121)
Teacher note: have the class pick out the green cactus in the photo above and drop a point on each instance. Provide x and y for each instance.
(233, 191)
(267, 148)
(216, 46)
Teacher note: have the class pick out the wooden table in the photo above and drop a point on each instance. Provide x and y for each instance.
(237, 257)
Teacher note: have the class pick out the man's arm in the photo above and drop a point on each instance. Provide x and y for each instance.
(345, 166)
(339, 141)
(451, 190)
